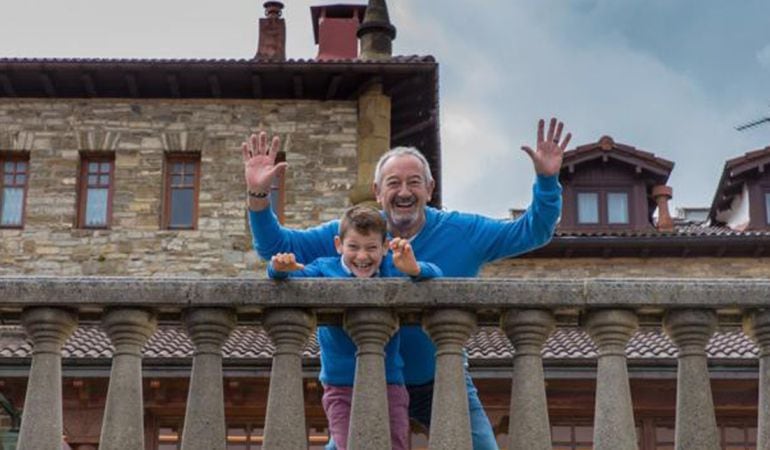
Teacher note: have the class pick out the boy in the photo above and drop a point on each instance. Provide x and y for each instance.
(363, 248)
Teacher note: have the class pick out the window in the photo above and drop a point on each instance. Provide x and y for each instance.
(97, 173)
(13, 190)
(603, 207)
(617, 207)
(181, 192)
(588, 207)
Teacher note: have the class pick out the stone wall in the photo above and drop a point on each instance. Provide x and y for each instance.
(629, 268)
(320, 140)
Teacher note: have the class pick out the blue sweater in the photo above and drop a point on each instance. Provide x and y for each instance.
(458, 243)
(338, 351)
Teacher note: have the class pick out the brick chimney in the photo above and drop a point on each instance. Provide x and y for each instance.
(272, 33)
(662, 194)
(376, 32)
(335, 28)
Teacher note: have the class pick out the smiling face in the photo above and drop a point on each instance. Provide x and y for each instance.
(403, 192)
(361, 253)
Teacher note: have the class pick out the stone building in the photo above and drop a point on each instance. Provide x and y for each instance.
(133, 168)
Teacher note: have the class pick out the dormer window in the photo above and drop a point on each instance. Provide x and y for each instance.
(742, 199)
(609, 186)
(602, 207)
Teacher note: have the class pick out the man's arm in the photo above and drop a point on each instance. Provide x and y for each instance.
(269, 237)
(536, 226)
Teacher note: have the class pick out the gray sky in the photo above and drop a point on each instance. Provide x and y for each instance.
(668, 76)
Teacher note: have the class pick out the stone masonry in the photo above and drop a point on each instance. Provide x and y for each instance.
(320, 139)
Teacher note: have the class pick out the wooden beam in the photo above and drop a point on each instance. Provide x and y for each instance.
(256, 85)
(173, 85)
(48, 87)
(403, 85)
(414, 129)
(89, 85)
(298, 86)
(363, 87)
(758, 251)
(7, 85)
(334, 84)
(133, 88)
(216, 89)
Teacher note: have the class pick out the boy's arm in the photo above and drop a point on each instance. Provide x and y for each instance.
(405, 261)
(281, 271)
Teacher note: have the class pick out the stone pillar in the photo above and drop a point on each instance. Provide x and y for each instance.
(614, 427)
(373, 140)
(285, 418)
(528, 427)
(123, 424)
(204, 425)
(696, 425)
(370, 329)
(41, 422)
(757, 325)
(450, 423)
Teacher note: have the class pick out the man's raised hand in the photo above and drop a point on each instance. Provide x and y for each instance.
(259, 163)
(285, 262)
(403, 257)
(550, 148)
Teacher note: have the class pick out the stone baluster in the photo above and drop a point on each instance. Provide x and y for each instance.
(696, 426)
(370, 329)
(450, 422)
(204, 425)
(41, 423)
(614, 427)
(757, 325)
(285, 418)
(123, 424)
(528, 427)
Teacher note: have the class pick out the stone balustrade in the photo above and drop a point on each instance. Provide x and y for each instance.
(528, 311)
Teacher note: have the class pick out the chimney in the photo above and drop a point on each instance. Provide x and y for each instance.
(272, 33)
(334, 29)
(376, 32)
(662, 194)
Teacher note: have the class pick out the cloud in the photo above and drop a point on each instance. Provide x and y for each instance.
(763, 56)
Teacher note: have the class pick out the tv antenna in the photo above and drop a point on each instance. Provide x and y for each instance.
(753, 123)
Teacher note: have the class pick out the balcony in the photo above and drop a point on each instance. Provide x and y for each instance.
(128, 309)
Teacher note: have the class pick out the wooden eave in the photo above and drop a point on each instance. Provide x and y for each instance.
(658, 168)
(735, 173)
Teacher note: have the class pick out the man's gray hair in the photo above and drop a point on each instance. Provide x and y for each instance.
(397, 152)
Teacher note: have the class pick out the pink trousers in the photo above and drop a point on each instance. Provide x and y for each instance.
(337, 401)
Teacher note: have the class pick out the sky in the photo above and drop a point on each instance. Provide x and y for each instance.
(672, 77)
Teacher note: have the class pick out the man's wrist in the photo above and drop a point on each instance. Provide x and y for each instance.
(257, 194)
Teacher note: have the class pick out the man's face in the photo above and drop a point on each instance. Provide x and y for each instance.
(404, 191)
(362, 253)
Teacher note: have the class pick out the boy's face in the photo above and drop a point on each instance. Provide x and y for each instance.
(362, 253)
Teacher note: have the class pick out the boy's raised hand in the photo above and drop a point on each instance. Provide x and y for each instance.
(403, 257)
(285, 262)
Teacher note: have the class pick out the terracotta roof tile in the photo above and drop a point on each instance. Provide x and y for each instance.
(488, 343)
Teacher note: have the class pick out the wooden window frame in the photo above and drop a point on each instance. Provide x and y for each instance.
(604, 218)
(15, 157)
(171, 158)
(765, 197)
(82, 194)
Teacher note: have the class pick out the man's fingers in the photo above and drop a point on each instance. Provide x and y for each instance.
(275, 145)
(262, 145)
(528, 151)
(557, 136)
(245, 152)
(540, 130)
(253, 144)
(551, 129)
(564, 144)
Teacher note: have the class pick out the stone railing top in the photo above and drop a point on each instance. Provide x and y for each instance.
(17, 292)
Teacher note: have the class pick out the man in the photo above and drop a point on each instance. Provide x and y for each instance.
(458, 243)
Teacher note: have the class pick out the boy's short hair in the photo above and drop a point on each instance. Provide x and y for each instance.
(364, 219)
